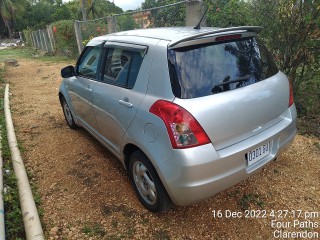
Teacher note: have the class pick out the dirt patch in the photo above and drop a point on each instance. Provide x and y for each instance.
(86, 194)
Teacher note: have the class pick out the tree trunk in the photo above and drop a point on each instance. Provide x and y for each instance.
(7, 24)
(83, 9)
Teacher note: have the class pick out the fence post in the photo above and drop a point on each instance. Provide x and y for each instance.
(51, 38)
(36, 38)
(20, 35)
(112, 24)
(31, 38)
(33, 41)
(45, 40)
(78, 36)
(41, 41)
(194, 12)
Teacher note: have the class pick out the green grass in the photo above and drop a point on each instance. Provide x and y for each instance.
(13, 216)
(16, 53)
(245, 201)
(93, 230)
(30, 53)
(248, 199)
(2, 81)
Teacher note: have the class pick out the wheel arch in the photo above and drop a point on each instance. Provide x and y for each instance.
(127, 151)
(167, 202)
(61, 96)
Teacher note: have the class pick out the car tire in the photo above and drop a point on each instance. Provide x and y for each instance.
(68, 114)
(147, 184)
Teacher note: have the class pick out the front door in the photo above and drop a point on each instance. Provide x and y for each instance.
(80, 87)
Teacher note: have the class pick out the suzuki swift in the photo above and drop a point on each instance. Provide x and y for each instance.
(188, 112)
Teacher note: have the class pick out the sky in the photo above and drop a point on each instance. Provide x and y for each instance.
(128, 4)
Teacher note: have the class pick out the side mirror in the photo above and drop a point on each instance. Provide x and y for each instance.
(68, 71)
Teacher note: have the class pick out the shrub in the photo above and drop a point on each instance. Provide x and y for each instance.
(65, 38)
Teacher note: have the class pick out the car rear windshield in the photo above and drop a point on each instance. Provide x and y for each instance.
(202, 70)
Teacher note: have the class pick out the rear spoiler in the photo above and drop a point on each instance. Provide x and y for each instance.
(256, 29)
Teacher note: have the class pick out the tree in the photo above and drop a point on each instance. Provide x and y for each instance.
(126, 22)
(8, 11)
(101, 8)
(41, 13)
(61, 11)
(228, 13)
(165, 17)
(292, 32)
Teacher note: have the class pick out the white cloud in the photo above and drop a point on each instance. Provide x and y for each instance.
(128, 4)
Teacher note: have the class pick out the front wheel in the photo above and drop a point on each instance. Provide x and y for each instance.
(68, 114)
(147, 183)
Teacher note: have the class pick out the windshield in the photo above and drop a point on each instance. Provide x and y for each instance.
(203, 70)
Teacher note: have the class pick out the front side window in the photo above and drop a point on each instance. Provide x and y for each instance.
(122, 66)
(88, 63)
(202, 70)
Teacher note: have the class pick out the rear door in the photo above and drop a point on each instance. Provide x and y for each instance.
(118, 95)
(232, 88)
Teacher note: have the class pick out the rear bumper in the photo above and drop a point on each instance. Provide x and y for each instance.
(198, 173)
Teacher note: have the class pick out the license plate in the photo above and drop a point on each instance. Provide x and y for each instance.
(257, 154)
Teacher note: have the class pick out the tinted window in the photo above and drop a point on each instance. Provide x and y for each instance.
(203, 70)
(88, 63)
(122, 66)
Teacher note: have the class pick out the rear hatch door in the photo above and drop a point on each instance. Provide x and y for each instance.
(232, 87)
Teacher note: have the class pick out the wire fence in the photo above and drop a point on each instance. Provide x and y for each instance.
(69, 38)
(41, 39)
(163, 16)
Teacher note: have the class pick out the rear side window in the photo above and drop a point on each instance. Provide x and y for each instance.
(88, 63)
(121, 66)
(202, 70)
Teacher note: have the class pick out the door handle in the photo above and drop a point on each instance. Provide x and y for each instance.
(125, 103)
(89, 89)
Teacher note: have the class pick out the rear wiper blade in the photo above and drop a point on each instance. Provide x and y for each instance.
(227, 81)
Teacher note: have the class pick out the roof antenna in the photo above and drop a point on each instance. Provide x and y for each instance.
(198, 25)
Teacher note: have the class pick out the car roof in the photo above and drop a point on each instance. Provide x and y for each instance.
(170, 34)
(175, 34)
(166, 33)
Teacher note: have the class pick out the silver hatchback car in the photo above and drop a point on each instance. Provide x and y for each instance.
(188, 112)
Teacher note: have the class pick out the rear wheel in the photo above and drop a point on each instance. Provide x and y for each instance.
(68, 114)
(147, 183)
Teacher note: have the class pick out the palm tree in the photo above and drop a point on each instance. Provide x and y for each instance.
(8, 11)
(83, 10)
(86, 6)
(7, 8)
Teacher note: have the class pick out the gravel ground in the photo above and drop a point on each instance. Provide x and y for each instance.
(86, 194)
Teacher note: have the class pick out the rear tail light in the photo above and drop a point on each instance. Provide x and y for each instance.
(183, 129)
(290, 94)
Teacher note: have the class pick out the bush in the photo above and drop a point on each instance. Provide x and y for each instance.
(65, 38)
(90, 30)
(27, 37)
(231, 13)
